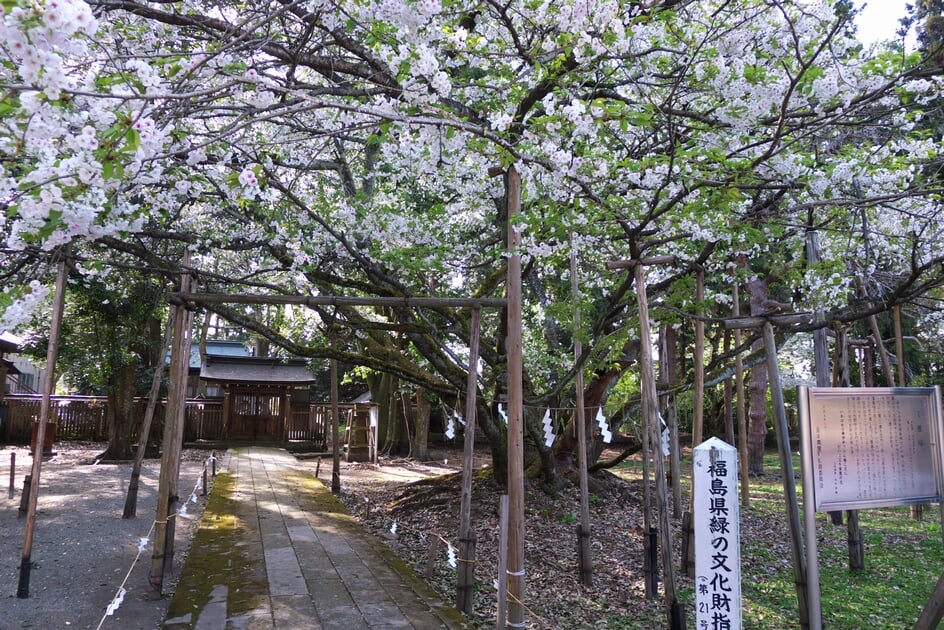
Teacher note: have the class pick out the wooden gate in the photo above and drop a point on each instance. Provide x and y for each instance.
(256, 414)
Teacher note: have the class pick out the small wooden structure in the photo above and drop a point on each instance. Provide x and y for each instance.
(257, 394)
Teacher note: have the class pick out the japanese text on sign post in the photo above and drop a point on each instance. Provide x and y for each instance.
(717, 537)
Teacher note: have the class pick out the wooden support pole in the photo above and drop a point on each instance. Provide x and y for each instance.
(131, 499)
(667, 376)
(335, 432)
(743, 458)
(900, 348)
(820, 342)
(807, 616)
(698, 358)
(52, 353)
(465, 580)
(170, 453)
(933, 611)
(501, 619)
(877, 338)
(698, 407)
(584, 557)
(185, 297)
(516, 571)
(650, 406)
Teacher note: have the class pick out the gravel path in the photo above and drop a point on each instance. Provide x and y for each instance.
(83, 551)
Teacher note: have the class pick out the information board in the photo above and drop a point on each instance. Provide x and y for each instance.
(871, 447)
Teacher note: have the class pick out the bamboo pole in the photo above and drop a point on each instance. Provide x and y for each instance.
(52, 354)
(516, 571)
(650, 405)
(465, 580)
(584, 558)
(131, 499)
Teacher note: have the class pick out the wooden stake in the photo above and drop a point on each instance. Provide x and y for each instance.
(516, 581)
(584, 558)
(52, 353)
(465, 580)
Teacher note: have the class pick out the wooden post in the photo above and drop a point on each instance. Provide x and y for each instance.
(584, 558)
(131, 499)
(917, 509)
(667, 376)
(650, 544)
(650, 406)
(820, 344)
(808, 618)
(502, 616)
(465, 580)
(12, 472)
(933, 611)
(516, 581)
(698, 408)
(877, 338)
(52, 353)
(431, 553)
(170, 453)
(335, 431)
(698, 358)
(743, 459)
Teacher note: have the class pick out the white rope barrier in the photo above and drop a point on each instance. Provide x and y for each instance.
(144, 541)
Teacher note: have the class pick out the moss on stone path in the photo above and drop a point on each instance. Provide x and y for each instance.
(217, 565)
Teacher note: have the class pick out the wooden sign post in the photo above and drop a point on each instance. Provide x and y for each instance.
(717, 536)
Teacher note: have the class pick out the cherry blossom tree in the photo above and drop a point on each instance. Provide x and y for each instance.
(343, 148)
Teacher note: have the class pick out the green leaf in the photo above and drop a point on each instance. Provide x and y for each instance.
(132, 140)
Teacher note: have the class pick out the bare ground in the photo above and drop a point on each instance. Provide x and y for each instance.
(82, 551)
(394, 493)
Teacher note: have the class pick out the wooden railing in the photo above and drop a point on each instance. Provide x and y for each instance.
(85, 418)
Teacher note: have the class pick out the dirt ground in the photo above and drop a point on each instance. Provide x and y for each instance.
(83, 552)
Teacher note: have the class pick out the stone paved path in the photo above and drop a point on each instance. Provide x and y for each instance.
(276, 550)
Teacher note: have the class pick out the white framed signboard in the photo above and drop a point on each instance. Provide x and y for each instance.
(866, 447)
(870, 446)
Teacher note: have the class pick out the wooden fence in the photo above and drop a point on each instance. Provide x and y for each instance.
(84, 418)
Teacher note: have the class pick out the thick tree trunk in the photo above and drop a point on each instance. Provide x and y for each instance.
(420, 447)
(121, 414)
(761, 305)
(565, 449)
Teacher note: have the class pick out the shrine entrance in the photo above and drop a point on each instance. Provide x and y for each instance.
(255, 413)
